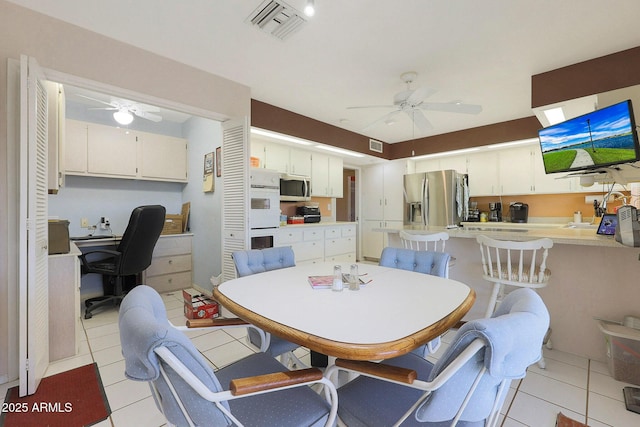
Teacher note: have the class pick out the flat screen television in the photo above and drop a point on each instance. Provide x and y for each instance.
(604, 137)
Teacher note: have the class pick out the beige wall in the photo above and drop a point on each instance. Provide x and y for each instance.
(69, 49)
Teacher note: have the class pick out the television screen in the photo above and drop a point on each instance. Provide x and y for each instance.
(601, 138)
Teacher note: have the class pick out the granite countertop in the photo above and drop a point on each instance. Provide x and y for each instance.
(559, 233)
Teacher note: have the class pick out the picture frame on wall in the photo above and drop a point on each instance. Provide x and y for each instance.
(207, 177)
(219, 161)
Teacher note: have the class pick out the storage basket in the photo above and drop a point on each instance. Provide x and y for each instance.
(623, 351)
(172, 224)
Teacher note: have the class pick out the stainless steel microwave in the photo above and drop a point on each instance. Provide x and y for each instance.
(295, 188)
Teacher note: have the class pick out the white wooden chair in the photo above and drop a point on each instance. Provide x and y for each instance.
(426, 242)
(520, 264)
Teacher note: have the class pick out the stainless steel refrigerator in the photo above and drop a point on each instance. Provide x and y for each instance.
(437, 198)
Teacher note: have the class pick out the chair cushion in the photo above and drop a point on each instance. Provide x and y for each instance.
(428, 262)
(261, 260)
(143, 328)
(300, 406)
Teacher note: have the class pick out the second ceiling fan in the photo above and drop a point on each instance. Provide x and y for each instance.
(412, 103)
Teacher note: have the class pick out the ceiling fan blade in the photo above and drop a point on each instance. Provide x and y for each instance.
(103, 108)
(419, 95)
(419, 119)
(382, 119)
(97, 100)
(147, 115)
(451, 107)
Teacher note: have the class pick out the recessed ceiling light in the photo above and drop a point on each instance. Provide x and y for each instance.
(554, 115)
(310, 8)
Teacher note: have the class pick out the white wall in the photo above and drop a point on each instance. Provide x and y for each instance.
(69, 49)
(206, 208)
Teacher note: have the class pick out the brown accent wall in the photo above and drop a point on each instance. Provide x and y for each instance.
(610, 72)
(266, 116)
(512, 130)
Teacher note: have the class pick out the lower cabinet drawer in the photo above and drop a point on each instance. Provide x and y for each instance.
(340, 246)
(169, 264)
(169, 282)
(308, 250)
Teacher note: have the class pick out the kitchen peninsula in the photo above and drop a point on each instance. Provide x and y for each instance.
(591, 276)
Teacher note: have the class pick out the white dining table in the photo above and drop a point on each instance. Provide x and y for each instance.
(394, 312)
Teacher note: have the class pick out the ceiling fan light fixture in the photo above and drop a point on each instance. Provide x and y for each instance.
(310, 8)
(124, 117)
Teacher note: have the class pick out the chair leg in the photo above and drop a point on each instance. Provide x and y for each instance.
(493, 299)
(93, 303)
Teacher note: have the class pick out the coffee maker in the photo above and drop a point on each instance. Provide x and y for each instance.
(495, 212)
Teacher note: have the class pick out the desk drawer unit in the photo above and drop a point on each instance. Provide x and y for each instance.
(171, 265)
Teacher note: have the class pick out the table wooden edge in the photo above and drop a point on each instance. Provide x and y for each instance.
(351, 351)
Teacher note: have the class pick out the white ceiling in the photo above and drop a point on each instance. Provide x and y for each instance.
(353, 52)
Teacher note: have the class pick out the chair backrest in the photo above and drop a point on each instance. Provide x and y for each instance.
(424, 242)
(512, 342)
(143, 329)
(428, 262)
(139, 239)
(260, 260)
(515, 262)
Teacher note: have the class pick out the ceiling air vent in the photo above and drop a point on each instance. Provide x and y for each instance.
(375, 146)
(276, 18)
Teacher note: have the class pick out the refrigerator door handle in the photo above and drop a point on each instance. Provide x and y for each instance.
(425, 201)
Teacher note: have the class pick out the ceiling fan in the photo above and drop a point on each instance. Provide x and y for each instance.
(125, 110)
(412, 102)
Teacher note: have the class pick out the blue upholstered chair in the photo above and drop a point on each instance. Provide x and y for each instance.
(427, 262)
(256, 261)
(188, 392)
(466, 386)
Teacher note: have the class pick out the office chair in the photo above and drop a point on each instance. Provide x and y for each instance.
(131, 257)
(466, 387)
(255, 390)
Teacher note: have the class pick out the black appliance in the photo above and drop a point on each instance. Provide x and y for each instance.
(310, 214)
(495, 212)
(519, 212)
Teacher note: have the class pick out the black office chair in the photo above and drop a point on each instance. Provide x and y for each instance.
(132, 256)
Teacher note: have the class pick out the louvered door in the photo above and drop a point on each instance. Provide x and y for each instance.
(33, 234)
(235, 205)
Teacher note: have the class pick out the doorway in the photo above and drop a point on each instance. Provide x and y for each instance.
(346, 206)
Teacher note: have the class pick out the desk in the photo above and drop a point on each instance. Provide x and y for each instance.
(393, 314)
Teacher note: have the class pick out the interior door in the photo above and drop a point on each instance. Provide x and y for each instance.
(33, 228)
(235, 203)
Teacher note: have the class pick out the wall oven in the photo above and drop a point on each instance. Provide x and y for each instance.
(295, 188)
(264, 195)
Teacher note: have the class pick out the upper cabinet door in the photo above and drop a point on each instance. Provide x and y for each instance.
(300, 162)
(277, 157)
(163, 157)
(76, 134)
(112, 151)
(320, 175)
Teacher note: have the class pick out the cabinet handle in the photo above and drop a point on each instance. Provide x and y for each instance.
(170, 280)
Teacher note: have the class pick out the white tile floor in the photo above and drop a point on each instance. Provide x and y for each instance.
(580, 388)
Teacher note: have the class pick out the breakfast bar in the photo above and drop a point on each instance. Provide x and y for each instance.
(591, 276)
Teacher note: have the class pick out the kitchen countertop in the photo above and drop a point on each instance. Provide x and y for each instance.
(559, 233)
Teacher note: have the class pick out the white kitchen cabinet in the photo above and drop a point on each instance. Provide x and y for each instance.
(515, 167)
(340, 244)
(163, 157)
(300, 161)
(65, 326)
(105, 151)
(258, 149)
(457, 163)
(483, 174)
(383, 201)
(112, 151)
(318, 243)
(171, 264)
(326, 176)
(276, 157)
(76, 136)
